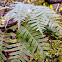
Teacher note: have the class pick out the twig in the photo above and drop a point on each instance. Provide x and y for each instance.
(57, 8)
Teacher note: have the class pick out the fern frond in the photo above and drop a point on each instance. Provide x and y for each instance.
(42, 19)
(32, 40)
(40, 15)
(19, 53)
(29, 39)
(2, 48)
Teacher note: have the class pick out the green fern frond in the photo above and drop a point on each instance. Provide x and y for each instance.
(29, 38)
(40, 16)
(32, 39)
(19, 53)
(2, 56)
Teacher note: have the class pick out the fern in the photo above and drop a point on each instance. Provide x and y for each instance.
(33, 40)
(29, 39)
(2, 57)
(37, 15)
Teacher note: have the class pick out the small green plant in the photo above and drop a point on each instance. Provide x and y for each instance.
(55, 52)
